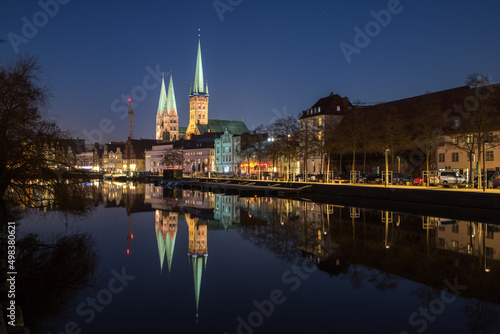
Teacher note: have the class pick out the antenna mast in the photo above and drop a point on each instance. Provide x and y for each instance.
(131, 119)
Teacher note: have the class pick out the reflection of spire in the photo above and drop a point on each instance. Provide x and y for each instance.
(197, 252)
(170, 245)
(160, 240)
(166, 233)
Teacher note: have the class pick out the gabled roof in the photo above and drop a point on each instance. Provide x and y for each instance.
(141, 145)
(112, 146)
(220, 125)
(332, 104)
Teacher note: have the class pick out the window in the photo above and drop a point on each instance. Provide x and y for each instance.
(454, 245)
(319, 135)
(454, 140)
(441, 157)
(470, 139)
(456, 123)
(441, 242)
(490, 234)
(489, 251)
(454, 228)
(454, 157)
(319, 121)
(489, 156)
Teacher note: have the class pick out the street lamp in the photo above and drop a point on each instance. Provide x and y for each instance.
(485, 173)
(288, 171)
(386, 166)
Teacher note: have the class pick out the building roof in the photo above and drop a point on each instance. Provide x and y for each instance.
(162, 103)
(332, 104)
(170, 104)
(139, 146)
(438, 109)
(182, 129)
(198, 88)
(220, 125)
(112, 146)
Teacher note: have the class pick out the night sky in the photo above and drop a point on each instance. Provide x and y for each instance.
(260, 58)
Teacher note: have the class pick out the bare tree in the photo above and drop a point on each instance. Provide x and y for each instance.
(309, 141)
(27, 134)
(285, 133)
(172, 158)
(483, 116)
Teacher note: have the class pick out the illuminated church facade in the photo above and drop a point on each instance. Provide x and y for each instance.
(167, 116)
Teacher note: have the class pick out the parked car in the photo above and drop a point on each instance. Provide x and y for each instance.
(400, 178)
(370, 178)
(419, 181)
(341, 177)
(489, 176)
(496, 179)
(445, 177)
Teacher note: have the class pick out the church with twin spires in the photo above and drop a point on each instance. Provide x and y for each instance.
(167, 116)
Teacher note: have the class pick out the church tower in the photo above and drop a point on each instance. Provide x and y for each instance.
(198, 98)
(167, 119)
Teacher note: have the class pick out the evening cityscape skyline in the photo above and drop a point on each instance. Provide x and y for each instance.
(259, 59)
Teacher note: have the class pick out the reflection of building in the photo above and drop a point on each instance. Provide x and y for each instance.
(166, 231)
(470, 238)
(227, 210)
(197, 251)
(134, 159)
(314, 228)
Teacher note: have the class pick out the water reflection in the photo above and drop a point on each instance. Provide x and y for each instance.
(367, 248)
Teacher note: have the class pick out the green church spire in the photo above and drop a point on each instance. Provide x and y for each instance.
(163, 98)
(170, 103)
(161, 249)
(198, 75)
(170, 245)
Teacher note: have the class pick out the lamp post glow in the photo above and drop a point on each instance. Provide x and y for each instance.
(386, 167)
(485, 173)
(288, 171)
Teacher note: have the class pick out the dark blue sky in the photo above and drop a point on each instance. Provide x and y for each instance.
(264, 57)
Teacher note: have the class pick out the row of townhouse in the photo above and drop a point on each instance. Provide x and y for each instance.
(126, 157)
(212, 152)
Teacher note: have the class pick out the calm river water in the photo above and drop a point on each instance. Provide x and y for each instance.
(187, 261)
